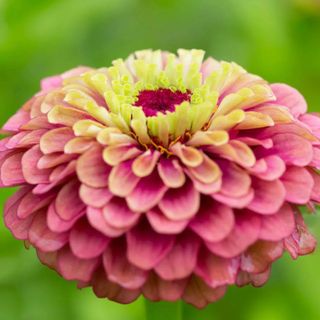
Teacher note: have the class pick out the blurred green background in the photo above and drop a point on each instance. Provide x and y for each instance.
(277, 39)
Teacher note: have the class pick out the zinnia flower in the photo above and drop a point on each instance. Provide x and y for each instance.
(163, 175)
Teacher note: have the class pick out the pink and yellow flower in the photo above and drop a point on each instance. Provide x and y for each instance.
(164, 175)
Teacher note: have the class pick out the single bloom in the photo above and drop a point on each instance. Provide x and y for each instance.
(163, 175)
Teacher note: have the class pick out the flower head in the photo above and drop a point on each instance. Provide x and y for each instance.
(163, 175)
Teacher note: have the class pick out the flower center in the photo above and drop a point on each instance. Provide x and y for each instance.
(160, 100)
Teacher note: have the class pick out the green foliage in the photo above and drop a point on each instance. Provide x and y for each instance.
(277, 39)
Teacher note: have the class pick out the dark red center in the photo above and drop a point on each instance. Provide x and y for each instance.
(160, 100)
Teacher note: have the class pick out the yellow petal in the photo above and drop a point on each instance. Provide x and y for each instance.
(245, 98)
(139, 125)
(113, 155)
(278, 113)
(216, 138)
(78, 98)
(236, 151)
(78, 145)
(255, 120)
(190, 156)
(113, 136)
(228, 121)
(51, 99)
(224, 76)
(98, 80)
(163, 130)
(182, 119)
(207, 172)
(87, 128)
(65, 115)
(144, 164)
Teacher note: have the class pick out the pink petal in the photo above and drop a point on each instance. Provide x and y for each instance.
(39, 122)
(277, 226)
(48, 258)
(157, 289)
(57, 171)
(161, 224)
(259, 167)
(208, 66)
(313, 122)
(293, 149)
(268, 196)
(257, 280)
(62, 171)
(18, 227)
(4, 152)
(171, 173)
(292, 128)
(54, 159)
(103, 288)
(214, 221)
(16, 198)
(216, 271)
(182, 203)
(298, 184)
(73, 268)
(77, 71)
(55, 223)
(92, 170)
(200, 294)
(51, 83)
(244, 234)
(118, 215)
(58, 176)
(31, 172)
(11, 171)
(55, 140)
(86, 242)
(68, 203)
(35, 105)
(17, 120)
(180, 262)
(235, 181)
(204, 188)
(119, 270)
(316, 158)
(42, 237)
(95, 197)
(122, 180)
(259, 256)
(14, 140)
(32, 203)
(30, 138)
(234, 202)
(275, 167)
(3, 145)
(147, 193)
(301, 241)
(96, 219)
(290, 98)
(265, 143)
(147, 248)
(315, 195)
